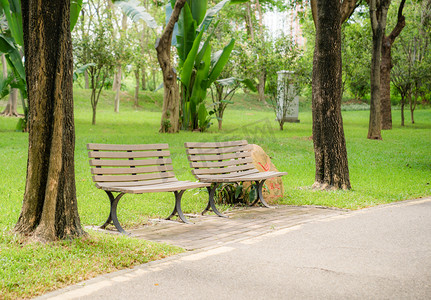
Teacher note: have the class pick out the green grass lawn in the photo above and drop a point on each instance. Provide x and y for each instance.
(396, 168)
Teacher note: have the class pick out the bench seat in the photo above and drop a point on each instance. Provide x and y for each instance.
(226, 162)
(136, 169)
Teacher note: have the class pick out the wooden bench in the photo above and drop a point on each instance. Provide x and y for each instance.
(226, 162)
(136, 169)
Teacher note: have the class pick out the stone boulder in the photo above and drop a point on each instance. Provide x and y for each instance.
(273, 188)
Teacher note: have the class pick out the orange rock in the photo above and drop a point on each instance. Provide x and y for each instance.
(273, 188)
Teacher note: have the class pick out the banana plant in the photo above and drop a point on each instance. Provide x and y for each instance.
(198, 67)
(12, 41)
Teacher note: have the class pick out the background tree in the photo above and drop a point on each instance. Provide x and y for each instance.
(49, 210)
(356, 71)
(170, 112)
(378, 15)
(284, 56)
(386, 67)
(412, 59)
(95, 49)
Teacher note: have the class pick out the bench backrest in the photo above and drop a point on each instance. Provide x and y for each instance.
(130, 165)
(220, 159)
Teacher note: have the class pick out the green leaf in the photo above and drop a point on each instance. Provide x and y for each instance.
(136, 12)
(12, 10)
(238, 191)
(12, 56)
(81, 70)
(198, 9)
(75, 9)
(187, 70)
(186, 33)
(249, 83)
(221, 62)
(209, 16)
(199, 85)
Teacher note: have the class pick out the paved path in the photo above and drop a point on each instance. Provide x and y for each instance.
(379, 253)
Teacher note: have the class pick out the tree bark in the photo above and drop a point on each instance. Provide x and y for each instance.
(386, 67)
(49, 210)
(378, 13)
(171, 97)
(137, 87)
(328, 134)
(117, 81)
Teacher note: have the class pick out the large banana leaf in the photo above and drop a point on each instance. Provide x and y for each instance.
(198, 8)
(189, 63)
(186, 33)
(136, 12)
(12, 11)
(12, 55)
(200, 84)
(75, 9)
(221, 62)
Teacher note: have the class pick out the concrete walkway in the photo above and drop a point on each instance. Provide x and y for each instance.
(291, 252)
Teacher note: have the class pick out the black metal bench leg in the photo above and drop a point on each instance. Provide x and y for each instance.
(259, 185)
(113, 212)
(177, 208)
(211, 203)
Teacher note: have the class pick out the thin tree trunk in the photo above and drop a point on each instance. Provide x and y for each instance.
(87, 82)
(11, 107)
(49, 210)
(117, 81)
(402, 111)
(137, 88)
(171, 98)
(328, 133)
(144, 80)
(386, 67)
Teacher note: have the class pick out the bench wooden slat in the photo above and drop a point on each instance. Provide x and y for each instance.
(230, 175)
(215, 144)
(219, 157)
(129, 163)
(115, 147)
(226, 170)
(141, 154)
(224, 163)
(257, 176)
(168, 187)
(103, 178)
(218, 150)
(113, 171)
(102, 185)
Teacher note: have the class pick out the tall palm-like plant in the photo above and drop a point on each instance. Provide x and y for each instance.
(199, 68)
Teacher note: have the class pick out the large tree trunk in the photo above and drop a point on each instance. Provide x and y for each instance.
(49, 210)
(386, 67)
(378, 13)
(171, 98)
(328, 134)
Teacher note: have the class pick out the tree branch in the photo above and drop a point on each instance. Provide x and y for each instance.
(401, 22)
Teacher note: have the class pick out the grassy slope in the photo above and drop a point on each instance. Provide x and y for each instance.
(394, 169)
